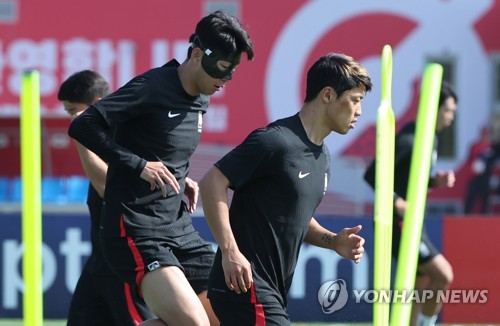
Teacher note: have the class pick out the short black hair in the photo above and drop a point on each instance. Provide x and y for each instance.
(447, 91)
(339, 71)
(83, 87)
(221, 31)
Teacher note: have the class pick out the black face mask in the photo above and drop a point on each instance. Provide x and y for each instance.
(212, 56)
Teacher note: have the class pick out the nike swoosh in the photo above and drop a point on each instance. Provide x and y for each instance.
(303, 175)
(172, 115)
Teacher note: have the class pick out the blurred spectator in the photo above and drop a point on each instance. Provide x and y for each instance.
(480, 162)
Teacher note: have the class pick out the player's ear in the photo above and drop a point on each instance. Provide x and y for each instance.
(328, 94)
(196, 54)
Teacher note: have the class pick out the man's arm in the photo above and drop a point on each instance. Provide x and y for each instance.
(237, 269)
(94, 168)
(346, 243)
(91, 130)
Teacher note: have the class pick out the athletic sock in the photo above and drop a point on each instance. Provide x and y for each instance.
(424, 320)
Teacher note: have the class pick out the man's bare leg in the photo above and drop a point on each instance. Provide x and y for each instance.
(214, 321)
(440, 274)
(169, 295)
(421, 283)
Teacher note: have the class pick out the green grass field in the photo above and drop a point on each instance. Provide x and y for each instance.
(17, 322)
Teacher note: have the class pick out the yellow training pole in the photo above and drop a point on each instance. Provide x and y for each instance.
(384, 190)
(417, 191)
(31, 199)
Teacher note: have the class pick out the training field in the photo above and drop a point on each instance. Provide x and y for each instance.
(11, 322)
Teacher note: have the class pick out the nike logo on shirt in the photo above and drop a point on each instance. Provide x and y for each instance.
(303, 175)
(172, 115)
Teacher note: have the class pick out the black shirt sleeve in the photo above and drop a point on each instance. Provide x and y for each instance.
(92, 131)
(370, 174)
(251, 159)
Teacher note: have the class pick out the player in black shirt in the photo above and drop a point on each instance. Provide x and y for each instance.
(279, 175)
(434, 272)
(146, 230)
(100, 297)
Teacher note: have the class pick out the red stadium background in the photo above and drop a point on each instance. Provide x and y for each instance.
(123, 38)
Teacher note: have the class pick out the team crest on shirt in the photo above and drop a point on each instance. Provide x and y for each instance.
(200, 121)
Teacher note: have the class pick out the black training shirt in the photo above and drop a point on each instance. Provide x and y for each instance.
(404, 143)
(96, 264)
(279, 178)
(153, 119)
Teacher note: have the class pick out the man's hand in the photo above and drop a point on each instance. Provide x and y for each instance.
(444, 179)
(400, 206)
(237, 271)
(157, 174)
(191, 191)
(350, 245)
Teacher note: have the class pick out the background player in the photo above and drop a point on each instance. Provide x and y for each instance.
(100, 297)
(434, 272)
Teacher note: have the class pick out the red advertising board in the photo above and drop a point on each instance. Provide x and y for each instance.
(471, 245)
(123, 38)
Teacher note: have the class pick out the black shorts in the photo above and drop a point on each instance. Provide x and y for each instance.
(426, 250)
(232, 313)
(131, 257)
(105, 300)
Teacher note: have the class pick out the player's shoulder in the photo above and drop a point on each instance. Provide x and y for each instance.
(279, 131)
(286, 126)
(406, 135)
(159, 76)
(276, 136)
(408, 128)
